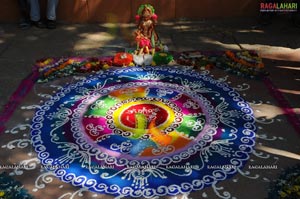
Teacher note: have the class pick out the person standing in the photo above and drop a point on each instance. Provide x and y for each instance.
(24, 11)
(36, 16)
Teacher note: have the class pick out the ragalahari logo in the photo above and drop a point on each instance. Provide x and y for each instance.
(278, 7)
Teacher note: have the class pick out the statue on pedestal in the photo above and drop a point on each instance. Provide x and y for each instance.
(145, 35)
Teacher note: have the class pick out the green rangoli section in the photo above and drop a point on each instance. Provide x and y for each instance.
(100, 107)
(191, 125)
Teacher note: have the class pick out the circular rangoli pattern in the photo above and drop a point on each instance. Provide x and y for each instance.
(144, 132)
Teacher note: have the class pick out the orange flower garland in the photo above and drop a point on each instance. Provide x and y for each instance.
(59, 67)
(258, 63)
(51, 68)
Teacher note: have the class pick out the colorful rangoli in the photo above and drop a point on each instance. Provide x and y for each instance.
(144, 132)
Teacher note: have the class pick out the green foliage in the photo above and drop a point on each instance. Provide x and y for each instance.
(141, 8)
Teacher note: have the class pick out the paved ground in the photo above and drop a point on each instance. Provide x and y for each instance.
(20, 48)
(278, 43)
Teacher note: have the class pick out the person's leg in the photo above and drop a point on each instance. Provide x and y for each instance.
(23, 7)
(35, 14)
(51, 13)
(51, 9)
(24, 11)
(35, 10)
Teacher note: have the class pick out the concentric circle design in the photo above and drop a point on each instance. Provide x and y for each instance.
(144, 132)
